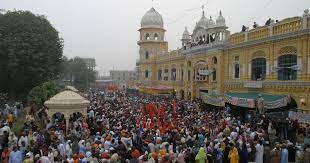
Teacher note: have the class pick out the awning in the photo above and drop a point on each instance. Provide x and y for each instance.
(248, 99)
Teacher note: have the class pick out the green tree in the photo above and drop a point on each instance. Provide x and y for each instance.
(77, 73)
(39, 94)
(30, 52)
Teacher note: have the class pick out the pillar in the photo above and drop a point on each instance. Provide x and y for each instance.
(305, 19)
(67, 124)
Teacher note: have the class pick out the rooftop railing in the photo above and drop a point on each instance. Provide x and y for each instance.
(273, 29)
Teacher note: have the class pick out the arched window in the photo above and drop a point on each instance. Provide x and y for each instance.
(212, 37)
(208, 38)
(213, 74)
(173, 74)
(258, 69)
(147, 36)
(286, 70)
(159, 75)
(156, 37)
(146, 74)
(237, 75)
(214, 60)
(166, 71)
(146, 55)
(182, 74)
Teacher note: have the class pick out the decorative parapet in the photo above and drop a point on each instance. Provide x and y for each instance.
(237, 38)
(285, 26)
(258, 33)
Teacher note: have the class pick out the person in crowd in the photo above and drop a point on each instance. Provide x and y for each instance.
(267, 152)
(233, 154)
(201, 156)
(28, 158)
(284, 153)
(259, 155)
(15, 156)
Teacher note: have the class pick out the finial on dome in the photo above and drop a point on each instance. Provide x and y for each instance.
(210, 17)
(221, 12)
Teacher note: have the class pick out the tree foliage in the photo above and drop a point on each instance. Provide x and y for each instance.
(77, 73)
(30, 52)
(39, 94)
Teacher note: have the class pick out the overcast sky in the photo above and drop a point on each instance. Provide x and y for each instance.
(107, 29)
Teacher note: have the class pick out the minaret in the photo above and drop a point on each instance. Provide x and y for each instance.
(152, 43)
(185, 38)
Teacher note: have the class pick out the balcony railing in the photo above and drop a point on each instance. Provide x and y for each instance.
(253, 84)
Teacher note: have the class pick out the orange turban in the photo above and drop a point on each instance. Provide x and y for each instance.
(162, 152)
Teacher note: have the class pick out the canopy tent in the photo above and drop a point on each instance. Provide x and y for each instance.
(248, 99)
(156, 89)
(67, 103)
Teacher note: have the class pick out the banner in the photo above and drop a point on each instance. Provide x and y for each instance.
(214, 100)
(243, 102)
(301, 117)
(250, 103)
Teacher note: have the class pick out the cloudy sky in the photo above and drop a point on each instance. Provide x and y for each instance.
(107, 29)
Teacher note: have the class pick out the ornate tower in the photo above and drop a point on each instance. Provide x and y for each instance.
(152, 43)
(186, 38)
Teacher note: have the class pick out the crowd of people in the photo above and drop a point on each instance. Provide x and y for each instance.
(120, 128)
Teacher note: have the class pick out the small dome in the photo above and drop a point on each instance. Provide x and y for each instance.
(186, 35)
(152, 19)
(220, 21)
(211, 23)
(203, 22)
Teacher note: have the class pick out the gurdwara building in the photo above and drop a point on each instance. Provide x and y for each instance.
(269, 63)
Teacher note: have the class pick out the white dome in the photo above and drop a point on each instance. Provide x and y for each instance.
(152, 19)
(220, 21)
(186, 35)
(203, 22)
(211, 23)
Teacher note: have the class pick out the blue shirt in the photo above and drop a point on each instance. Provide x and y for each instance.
(15, 157)
(284, 155)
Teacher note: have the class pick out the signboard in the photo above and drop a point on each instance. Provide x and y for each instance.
(203, 72)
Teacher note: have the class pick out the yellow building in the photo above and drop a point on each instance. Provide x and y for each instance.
(272, 60)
